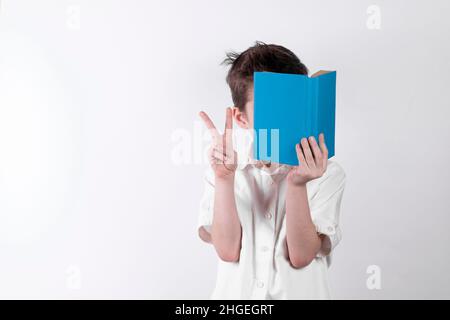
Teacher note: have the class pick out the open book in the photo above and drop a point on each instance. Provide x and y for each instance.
(288, 107)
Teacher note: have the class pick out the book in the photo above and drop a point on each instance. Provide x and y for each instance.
(288, 107)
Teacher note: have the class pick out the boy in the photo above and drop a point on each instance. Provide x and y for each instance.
(273, 226)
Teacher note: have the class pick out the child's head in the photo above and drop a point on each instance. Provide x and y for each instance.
(260, 57)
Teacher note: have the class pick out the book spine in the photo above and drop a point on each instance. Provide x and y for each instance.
(314, 107)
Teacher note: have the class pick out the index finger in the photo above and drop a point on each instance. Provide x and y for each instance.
(229, 120)
(209, 124)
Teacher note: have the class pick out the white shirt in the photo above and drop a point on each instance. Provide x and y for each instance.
(264, 270)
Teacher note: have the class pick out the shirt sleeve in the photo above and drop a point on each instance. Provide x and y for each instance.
(325, 210)
(205, 216)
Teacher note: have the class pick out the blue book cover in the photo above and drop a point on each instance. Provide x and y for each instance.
(288, 107)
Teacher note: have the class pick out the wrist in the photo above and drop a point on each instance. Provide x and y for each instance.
(229, 178)
(296, 185)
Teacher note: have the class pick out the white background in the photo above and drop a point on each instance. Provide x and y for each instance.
(92, 204)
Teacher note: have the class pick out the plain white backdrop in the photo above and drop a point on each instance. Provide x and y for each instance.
(93, 94)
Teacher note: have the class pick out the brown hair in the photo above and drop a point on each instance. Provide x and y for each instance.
(260, 57)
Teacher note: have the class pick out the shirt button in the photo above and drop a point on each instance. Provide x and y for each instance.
(265, 248)
(330, 229)
(260, 284)
(268, 215)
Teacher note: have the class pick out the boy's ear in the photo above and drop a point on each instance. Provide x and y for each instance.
(240, 117)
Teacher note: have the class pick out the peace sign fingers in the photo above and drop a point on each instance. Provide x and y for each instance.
(223, 158)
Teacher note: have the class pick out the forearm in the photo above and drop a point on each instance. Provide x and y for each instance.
(226, 228)
(303, 242)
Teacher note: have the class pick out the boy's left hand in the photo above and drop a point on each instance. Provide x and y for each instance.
(312, 161)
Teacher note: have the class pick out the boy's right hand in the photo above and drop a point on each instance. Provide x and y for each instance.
(222, 157)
